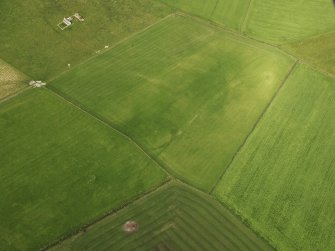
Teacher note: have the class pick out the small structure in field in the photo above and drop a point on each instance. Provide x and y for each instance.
(36, 84)
(130, 226)
(78, 16)
(68, 21)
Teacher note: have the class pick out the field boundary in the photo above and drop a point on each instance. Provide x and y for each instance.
(166, 169)
(309, 37)
(255, 124)
(16, 69)
(315, 67)
(164, 185)
(107, 123)
(10, 96)
(246, 17)
(214, 8)
(17, 92)
(260, 43)
(237, 35)
(114, 45)
(228, 208)
(84, 227)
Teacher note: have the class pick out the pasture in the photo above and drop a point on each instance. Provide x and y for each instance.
(11, 80)
(286, 21)
(60, 168)
(283, 180)
(179, 87)
(31, 41)
(229, 13)
(175, 217)
(208, 122)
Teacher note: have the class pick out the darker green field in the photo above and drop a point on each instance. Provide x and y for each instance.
(188, 92)
(61, 168)
(282, 181)
(175, 217)
(31, 41)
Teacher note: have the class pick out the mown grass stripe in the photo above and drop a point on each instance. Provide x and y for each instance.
(220, 216)
(166, 216)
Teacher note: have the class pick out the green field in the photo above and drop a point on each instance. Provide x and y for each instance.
(319, 51)
(61, 168)
(282, 181)
(11, 80)
(229, 13)
(209, 122)
(31, 41)
(286, 20)
(179, 87)
(175, 217)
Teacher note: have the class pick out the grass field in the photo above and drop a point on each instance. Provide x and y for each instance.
(318, 51)
(282, 181)
(179, 87)
(157, 110)
(31, 41)
(11, 80)
(229, 13)
(175, 217)
(60, 168)
(286, 20)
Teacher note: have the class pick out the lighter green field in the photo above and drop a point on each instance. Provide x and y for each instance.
(60, 168)
(31, 41)
(283, 179)
(11, 80)
(179, 87)
(173, 218)
(229, 13)
(286, 20)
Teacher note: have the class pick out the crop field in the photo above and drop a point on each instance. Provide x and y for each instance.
(283, 179)
(140, 90)
(229, 13)
(318, 50)
(61, 168)
(286, 20)
(167, 125)
(175, 217)
(11, 80)
(38, 47)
